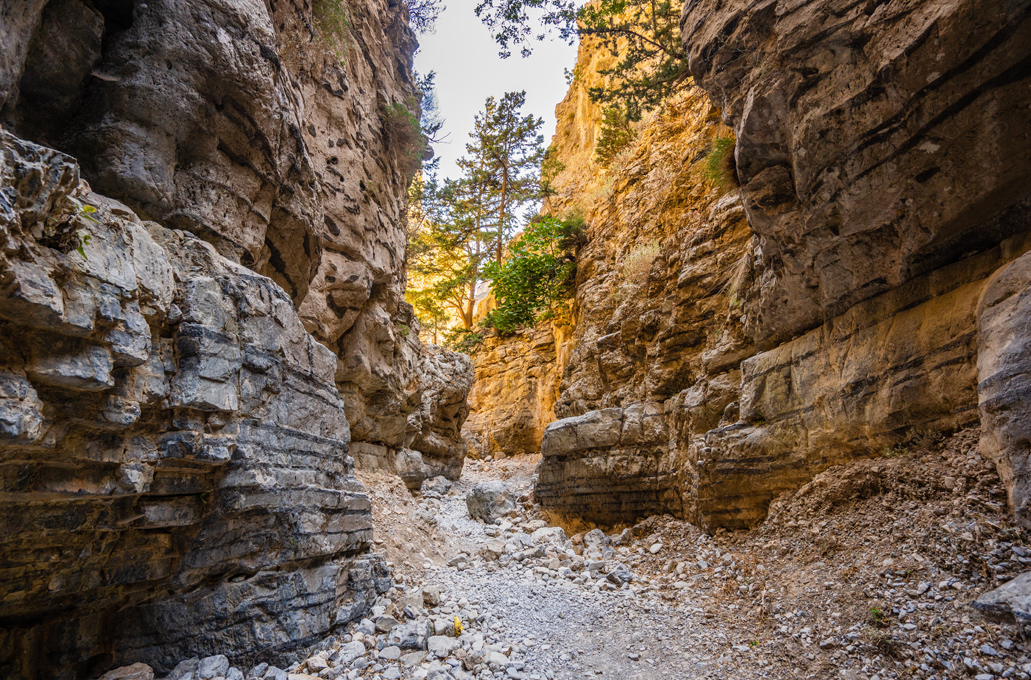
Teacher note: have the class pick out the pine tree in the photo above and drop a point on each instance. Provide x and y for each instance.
(512, 152)
(470, 220)
(643, 35)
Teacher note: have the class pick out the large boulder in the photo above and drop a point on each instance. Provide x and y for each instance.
(609, 466)
(1009, 603)
(489, 501)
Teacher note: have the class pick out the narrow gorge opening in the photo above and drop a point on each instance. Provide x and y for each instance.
(536, 340)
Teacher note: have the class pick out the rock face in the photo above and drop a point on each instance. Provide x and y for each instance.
(874, 143)
(175, 399)
(656, 324)
(862, 288)
(609, 465)
(176, 478)
(513, 397)
(1004, 379)
(433, 444)
(264, 131)
(886, 177)
(447, 378)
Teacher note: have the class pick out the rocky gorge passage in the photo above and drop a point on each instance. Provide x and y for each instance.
(867, 572)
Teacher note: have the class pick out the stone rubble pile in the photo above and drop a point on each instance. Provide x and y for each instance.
(810, 595)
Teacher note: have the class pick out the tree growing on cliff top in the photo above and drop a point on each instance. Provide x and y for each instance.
(470, 220)
(642, 35)
(535, 279)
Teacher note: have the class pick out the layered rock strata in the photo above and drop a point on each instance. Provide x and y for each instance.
(266, 131)
(655, 312)
(609, 465)
(861, 289)
(883, 154)
(173, 446)
(513, 397)
(875, 143)
(174, 439)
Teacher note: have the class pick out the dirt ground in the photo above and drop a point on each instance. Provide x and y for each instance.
(866, 572)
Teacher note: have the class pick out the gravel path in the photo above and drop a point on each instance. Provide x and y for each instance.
(837, 584)
(560, 629)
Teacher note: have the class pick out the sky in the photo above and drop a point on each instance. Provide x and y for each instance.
(469, 70)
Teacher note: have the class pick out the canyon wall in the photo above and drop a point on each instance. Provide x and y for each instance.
(192, 333)
(853, 281)
(513, 397)
(883, 152)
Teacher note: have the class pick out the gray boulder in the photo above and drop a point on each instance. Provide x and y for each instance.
(489, 501)
(1009, 603)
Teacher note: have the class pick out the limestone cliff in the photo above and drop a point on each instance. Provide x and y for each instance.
(267, 133)
(174, 449)
(862, 288)
(179, 367)
(884, 156)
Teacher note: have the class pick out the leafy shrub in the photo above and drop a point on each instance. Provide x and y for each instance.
(536, 277)
(720, 168)
(405, 134)
(616, 135)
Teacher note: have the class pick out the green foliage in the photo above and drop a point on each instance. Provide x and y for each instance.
(84, 239)
(463, 340)
(430, 122)
(531, 284)
(405, 133)
(643, 36)
(459, 225)
(331, 17)
(616, 135)
(403, 330)
(719, 164)
(504, 163)
(895, 451)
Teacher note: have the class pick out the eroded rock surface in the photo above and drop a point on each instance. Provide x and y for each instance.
(609, 465)
(513, 397)
(843, 301)
(1003, 372)
(174, 449)
(886, 179)
(875, 143)
(261, 129)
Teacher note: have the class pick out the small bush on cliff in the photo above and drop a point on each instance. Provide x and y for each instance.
(720, 168)
(411, 126)
(638, 263)
(616, 135)
(535, 279)
(331, 16)
(401, 125)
